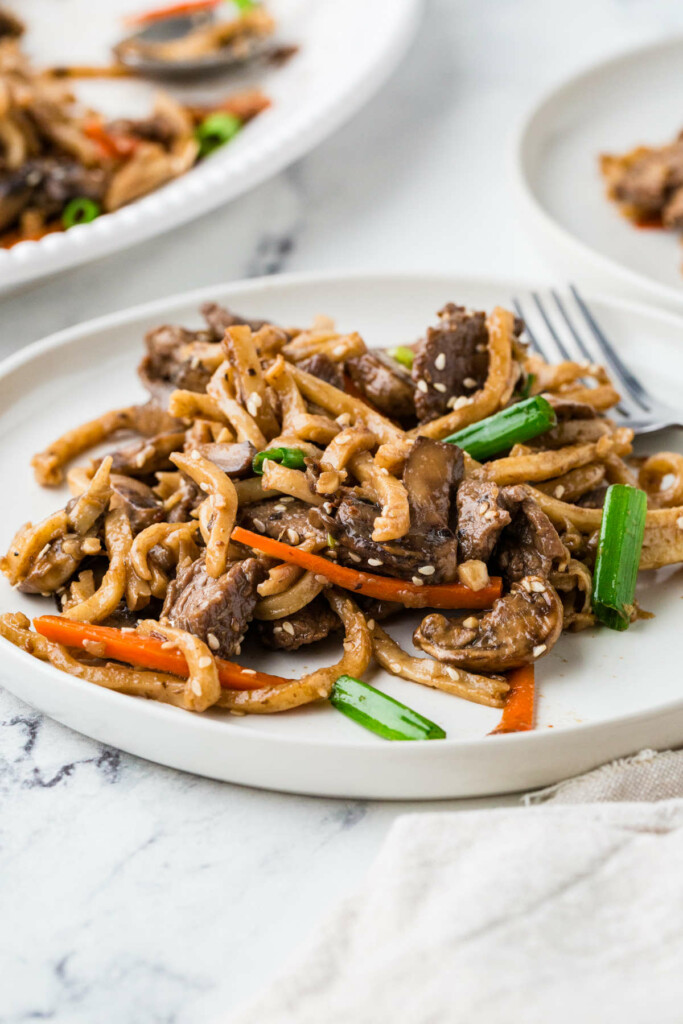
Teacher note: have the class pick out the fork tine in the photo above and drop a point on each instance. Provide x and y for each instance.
(635, 389)
(583, 349)
(561, 347)
(534, 340)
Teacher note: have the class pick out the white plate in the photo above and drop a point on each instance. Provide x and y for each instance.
(603, 694)
(610, 108)
(347, 50)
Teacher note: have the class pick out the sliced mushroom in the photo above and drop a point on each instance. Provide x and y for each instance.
(519, 629)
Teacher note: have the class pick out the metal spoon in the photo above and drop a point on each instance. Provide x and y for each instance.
(175, 29)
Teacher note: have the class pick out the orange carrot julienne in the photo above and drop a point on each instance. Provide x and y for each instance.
(145, 651)
(117, 146)
(171, 11)
(384, 588)
(520, 705)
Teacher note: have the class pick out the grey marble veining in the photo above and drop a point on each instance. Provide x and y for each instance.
(133, 894)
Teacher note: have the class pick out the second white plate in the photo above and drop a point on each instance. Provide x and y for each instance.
(611, 108)
(602, 694)
(346, 52)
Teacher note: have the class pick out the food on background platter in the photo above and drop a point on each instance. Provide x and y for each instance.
(291, 485)
(62, 165)
(646, 183)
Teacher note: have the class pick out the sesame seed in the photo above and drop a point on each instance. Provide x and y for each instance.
(236, 713)
(320, 579)
(484, 507)
(322, 692)
(292, 536)
(417, 581)
(286, 499)
(422, 386)
(213, 641)
(491, 514)
(458, 403)
(427, 570)
(481, 347)
(374, 561)
(471, 622)
(338, 351)
(440, 361)
(168, 645)
(195, 454)
(559, 491)
(470, 382)
(288, 628)
(44, 550)
(140, 459)
(526, 584)
(438, 386)
(280, 508)
(353, 557)
(258, 525)
(205, 661)
(197, 687)
(395, 667)
(679, 522)
(452, 672)
(204, 487)
(537, 587)
(249, 671)
(538, 651)
(370, 624)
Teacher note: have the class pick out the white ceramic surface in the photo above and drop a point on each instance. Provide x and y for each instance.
(346, 52)
(617, 104)
(600, 694)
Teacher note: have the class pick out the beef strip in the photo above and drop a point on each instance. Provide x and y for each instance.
(218, 319)
(530, 545)
(289, 521)
(216, 610)
(147, 456)
(568, 409)
(351, 526)
(54, 566)
(10, 26)
(388, 389)
(165, 368)
(312, 623)
(520, 627)
(324, 368)
(460, 342)
(233, 459)
(482, 516)
(47, 183)
(138, 501)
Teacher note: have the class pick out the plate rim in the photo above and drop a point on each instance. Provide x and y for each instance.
(526, 194)
(31, 261)
(535, 741)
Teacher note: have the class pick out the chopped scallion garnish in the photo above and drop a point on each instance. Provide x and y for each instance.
(514, 425)
(403, 355)
(616, 565)
(215, 130)
(292, 458)
(380, 714)
(80, 211)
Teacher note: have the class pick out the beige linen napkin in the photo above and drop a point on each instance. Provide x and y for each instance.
(532, 915)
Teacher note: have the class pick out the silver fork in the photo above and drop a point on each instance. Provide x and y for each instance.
(566, 327)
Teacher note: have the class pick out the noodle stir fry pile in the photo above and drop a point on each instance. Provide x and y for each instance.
(289, 485)
(62, 164)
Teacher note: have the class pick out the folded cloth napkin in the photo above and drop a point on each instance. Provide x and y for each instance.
(510, 916)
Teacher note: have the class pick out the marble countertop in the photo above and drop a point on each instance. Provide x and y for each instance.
(134, 894)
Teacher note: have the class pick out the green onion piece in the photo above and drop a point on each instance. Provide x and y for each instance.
(525, 390)
(515, 425)
(215, 130)
(80, 211)
(380, 714)
(616, 565)
(331, 542)
(403, 355)
(244, 5)
(293, 458)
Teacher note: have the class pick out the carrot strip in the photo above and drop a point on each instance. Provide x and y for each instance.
(116, 146)
(145, 652)
(171, 11)
(520, 705)
(434, 595)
